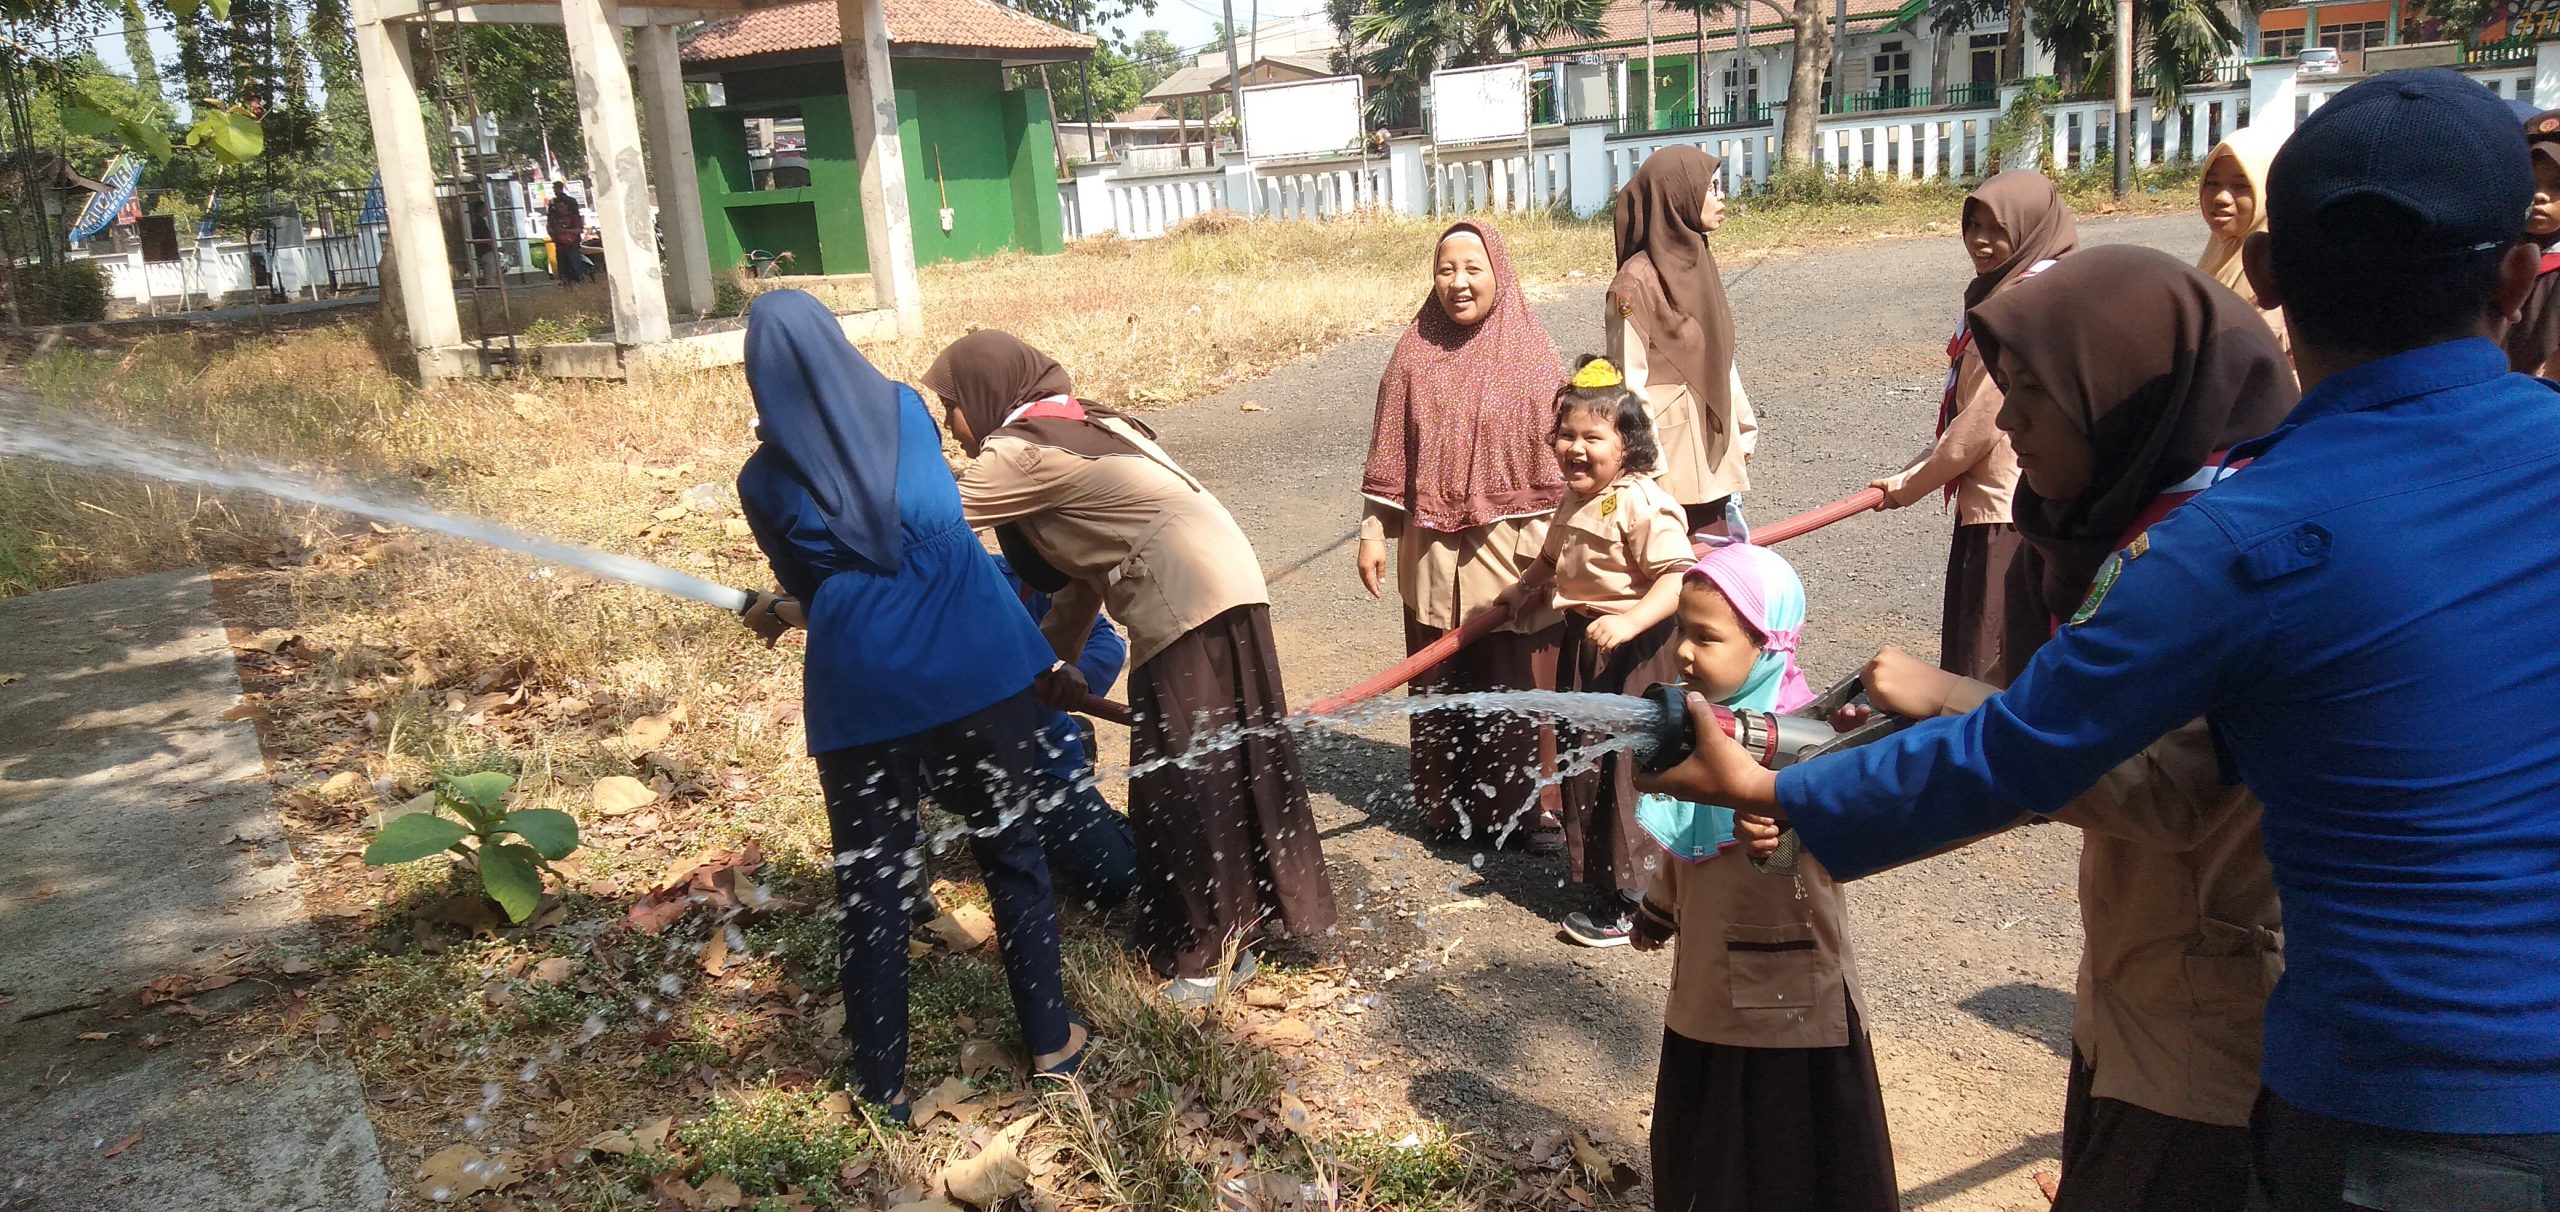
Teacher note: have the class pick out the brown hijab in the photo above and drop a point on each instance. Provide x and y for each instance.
(2536, 337)
(988, 374)
(2157, 363)
(2026, 206)
(1667, 279)
(1460, 439)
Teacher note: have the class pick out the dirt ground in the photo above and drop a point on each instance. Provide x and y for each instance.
(1496, 1026)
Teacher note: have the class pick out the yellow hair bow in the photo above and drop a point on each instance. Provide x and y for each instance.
(1597, 374)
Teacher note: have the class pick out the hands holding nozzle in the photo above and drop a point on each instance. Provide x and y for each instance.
(771, 614)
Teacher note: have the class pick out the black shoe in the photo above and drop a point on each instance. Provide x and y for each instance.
(1605, 931)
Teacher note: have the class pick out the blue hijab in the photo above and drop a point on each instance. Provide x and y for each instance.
(833, 418)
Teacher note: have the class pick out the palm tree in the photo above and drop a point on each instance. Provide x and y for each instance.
(1403, 41)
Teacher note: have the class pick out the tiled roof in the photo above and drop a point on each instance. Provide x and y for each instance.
(982, 24)
(1624, 22)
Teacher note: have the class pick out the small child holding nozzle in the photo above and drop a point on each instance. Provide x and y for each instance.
(1612, 563)
(1767, 1095)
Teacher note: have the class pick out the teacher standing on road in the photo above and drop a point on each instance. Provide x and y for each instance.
(2364, 614)
(1461, 478)
(1671, 332)
(1226, 841)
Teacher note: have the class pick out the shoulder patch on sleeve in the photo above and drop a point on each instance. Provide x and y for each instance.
(2106, 580)
(1609, 504)
(1625, 307)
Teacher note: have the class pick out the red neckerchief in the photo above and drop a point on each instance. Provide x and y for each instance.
(2162, 505)
(1062, 407)
(2550, 262)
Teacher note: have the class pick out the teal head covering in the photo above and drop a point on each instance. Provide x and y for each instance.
(1769, 598)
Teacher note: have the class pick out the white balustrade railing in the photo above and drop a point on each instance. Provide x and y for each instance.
(1582, 167)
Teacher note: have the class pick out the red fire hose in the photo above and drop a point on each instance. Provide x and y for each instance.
(1486, 622)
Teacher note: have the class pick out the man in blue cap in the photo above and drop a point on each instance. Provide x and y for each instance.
(2369, 616)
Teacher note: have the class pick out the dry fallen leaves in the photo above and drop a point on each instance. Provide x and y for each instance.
(456, 1171)
(550, 971)
(122, 1145)
(945, 1099)
(621, 795)
(997, 1171)
(965, 928)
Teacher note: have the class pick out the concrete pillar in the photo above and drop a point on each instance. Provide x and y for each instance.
(2546, 75)
(2271, 96)
(1093, 201)
(874, 98)
(416, 235)
(1586, 158)
(1237, 187)
(672, 170)
(635, 281)
(2039, 54)
(1405, 191)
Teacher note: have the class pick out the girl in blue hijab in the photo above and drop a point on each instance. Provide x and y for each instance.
(919, 673)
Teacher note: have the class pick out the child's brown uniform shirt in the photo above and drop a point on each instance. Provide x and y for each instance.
(1762, 960)
(1608, 548)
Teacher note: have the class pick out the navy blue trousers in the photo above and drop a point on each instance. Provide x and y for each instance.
(2308, 1162)
(986, 768)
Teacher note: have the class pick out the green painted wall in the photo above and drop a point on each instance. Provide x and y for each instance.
(969, 143)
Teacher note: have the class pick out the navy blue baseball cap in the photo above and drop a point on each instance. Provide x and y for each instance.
(2408, 168)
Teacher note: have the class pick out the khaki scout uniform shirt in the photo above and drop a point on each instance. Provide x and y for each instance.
(1704, 458)
(1136, 533)
(1763, 960)
(1973, 454)
(1609, 547)
(2184, 936)
(1445, 576)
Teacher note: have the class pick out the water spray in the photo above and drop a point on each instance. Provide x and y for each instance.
(161, 459)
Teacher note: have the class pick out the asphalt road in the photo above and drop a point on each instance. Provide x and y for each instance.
(1489, 1022)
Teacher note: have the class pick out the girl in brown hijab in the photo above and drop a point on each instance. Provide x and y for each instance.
(2533, 340)
(2127, 375)
(1226, 843)
(2015, 225)
(1671, 331)
(1460, 476)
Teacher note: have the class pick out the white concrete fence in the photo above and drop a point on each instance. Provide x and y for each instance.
(1578, 168)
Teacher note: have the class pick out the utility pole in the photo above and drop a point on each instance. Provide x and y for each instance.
(2124, 97)
(1235, 97)
(1084, 76)
(1648, 63)
(1839, 53)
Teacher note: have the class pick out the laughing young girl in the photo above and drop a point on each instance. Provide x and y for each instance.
(1767, 1096)
(1612, 563)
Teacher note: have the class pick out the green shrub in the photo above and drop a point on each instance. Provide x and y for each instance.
(73, 292)
(768, 1141)
(510, 871)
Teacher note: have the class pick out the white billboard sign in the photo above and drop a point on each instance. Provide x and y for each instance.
(1302, 118)
(1480, 104)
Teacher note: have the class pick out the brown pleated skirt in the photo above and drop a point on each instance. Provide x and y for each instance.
(2117, 1157)
(1758, 1129)
(1603, 847)
(1485, 776)
(1226, 842)
(1993, 616)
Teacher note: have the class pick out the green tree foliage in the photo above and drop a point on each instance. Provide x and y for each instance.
(2176, 42)
(521, 73)
(1403, 41)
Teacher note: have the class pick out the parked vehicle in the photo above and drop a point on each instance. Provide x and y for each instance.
(2316, 61)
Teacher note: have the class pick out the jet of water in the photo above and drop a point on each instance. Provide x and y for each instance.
(162, 459)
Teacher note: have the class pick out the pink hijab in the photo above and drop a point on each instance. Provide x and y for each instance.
(1769, 598)
(1460, 439)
